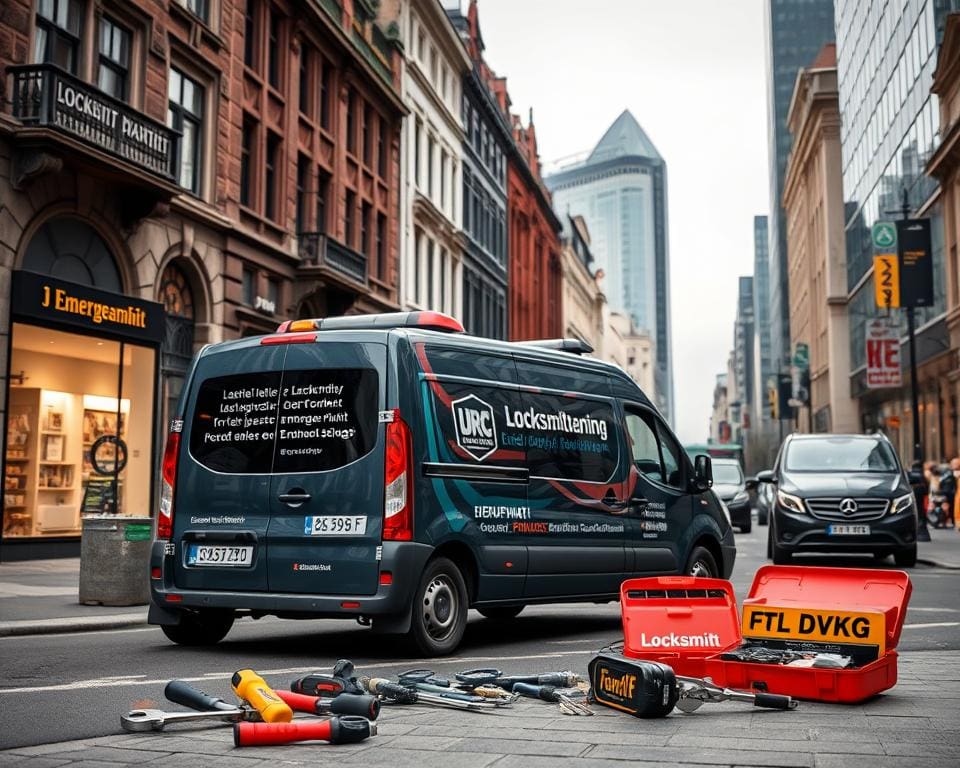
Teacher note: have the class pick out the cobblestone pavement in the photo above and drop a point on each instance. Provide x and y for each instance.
(916, 724)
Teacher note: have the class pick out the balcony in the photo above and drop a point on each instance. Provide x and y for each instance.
(47, 97)
(322, 256)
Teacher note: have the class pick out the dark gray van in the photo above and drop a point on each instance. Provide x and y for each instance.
(392, 469)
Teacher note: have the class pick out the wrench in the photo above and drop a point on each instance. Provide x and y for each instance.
(156, 719)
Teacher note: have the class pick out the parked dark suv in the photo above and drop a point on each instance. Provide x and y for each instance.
(841, 493)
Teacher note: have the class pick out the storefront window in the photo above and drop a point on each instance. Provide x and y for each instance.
(79, 430)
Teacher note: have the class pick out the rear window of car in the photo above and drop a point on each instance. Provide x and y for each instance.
(295, 421)
(727, 474)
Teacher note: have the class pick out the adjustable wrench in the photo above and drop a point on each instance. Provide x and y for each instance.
(157, 719)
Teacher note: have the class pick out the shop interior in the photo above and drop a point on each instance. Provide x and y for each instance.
(79, 431)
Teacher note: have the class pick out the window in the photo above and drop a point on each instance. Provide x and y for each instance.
(303, 174)
(380, 268)
(246, 161)
(273, 294)
(655, 453)
(417, 132)
(323, 185)
(326, 88)
(382, 148)
(367, 138)
(349, 216)
(272, 184)
(365, 210)
(434, 63)
(185, 114)
(199, 8)
(443, 180)
(249, 287)
(113, 76)
(275, 51)
(431, 148)
(306, 76)
(58, 33)
(250, 35)
(351, 124)
(417, 269)
(443, 281)
(429, 271)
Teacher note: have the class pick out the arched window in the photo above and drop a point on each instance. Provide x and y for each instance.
(70, 249)
(175, 292)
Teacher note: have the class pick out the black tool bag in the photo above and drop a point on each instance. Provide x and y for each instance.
(642, 688)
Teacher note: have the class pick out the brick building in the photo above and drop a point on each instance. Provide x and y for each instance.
(536, 275)
(172, 173)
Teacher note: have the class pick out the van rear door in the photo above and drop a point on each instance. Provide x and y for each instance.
(223, 479)
(326, 493)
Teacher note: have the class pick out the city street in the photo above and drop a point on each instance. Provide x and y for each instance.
(75, 686)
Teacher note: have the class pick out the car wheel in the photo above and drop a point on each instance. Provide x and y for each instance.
(702, 563)
(906, 558)
(770, 543)
(746, 528)
(500, 613)
(775, 552)
(440, 613)
(199, 628)
(761, 518)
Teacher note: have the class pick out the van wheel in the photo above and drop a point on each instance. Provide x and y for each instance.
(440, 613)
(501, 613)
(199, 628)
(702, 563)
(906, 558)
(746, 528)
(778, 554)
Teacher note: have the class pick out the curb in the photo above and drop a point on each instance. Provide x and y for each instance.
(938, 563)
(72, 624)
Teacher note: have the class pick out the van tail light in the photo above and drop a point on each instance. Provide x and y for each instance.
(167, 486)
(398, 482)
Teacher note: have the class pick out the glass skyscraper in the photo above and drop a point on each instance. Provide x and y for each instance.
(621, 191)
(763, 361)
(796, 31)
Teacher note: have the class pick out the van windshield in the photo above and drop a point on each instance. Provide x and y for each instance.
(840, 454)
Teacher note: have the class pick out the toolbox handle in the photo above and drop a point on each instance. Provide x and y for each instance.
(679, 611)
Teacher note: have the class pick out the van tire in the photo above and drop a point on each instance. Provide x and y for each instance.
(199, 628)
(439, 615)
(500, 613)
(906, 558)
(702, 563)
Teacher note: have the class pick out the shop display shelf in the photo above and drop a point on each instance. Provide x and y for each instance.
(55, 488)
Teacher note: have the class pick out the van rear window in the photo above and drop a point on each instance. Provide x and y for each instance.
(295, 421)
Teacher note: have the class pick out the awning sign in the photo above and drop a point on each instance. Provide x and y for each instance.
(883, 355)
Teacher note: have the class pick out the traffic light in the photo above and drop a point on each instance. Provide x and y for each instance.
(774, 402)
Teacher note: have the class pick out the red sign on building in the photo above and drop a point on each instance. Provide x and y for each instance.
(883, 355)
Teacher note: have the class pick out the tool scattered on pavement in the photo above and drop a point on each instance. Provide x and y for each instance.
(652, 689)
(395, 693)
(348, 729)
(360, 705)
(249, 686)
(156, 719)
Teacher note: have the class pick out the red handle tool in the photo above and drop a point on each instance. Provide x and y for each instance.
(344, 704)
(348, 729)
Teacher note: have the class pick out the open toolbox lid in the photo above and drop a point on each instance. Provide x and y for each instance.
(689, 616)
(842, 589)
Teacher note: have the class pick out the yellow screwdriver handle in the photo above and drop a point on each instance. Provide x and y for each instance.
(250, 687)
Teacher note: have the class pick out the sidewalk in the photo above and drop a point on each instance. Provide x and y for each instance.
(40, 597)
(943, 549)
(913, 724)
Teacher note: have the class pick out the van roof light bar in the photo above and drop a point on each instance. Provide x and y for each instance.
(573, 346)
(430, 321)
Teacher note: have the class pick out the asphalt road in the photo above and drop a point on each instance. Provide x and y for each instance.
(72, 686)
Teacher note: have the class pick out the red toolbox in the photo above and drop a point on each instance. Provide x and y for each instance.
(689, 622)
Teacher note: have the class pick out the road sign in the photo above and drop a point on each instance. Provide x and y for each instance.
(801, 355)
(916, 263)
(886, 281)
(883, 355)
(884, 235)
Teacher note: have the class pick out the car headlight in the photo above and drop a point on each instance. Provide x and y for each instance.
(901, 504)
(790, 502)
(741, 498)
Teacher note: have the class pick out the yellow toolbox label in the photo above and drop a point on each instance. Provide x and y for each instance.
(814, 624)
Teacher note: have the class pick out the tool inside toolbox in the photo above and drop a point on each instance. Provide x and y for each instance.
(799, 653)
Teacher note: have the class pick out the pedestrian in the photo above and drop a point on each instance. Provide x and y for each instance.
(955, 469)
(932, 478)
(948, 494)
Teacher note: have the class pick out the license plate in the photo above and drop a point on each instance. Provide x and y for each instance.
(219, 556)
(848, 530)
(335, 525)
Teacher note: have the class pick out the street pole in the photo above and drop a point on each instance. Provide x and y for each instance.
(914, 399)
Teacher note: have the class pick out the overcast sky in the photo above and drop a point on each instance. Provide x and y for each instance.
(693, 74)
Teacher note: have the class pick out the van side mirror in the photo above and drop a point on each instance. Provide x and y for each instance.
(751, 483)
(765, 477)
(702, 473)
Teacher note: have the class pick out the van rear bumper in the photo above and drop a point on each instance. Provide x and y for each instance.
(404, 559)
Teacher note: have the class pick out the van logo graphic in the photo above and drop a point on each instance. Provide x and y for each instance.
(476, 428)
